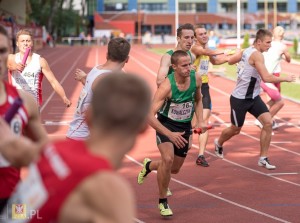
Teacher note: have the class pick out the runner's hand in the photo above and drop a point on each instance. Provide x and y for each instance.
(20, 67)
(80, 76)
(67, 102)
(177, 139)
(203, 127)
(291, 78)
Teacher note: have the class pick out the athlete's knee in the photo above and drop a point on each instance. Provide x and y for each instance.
(235, 130)
(167, 161)
(267, 125)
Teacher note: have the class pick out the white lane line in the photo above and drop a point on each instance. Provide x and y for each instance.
(216, 196)
(56, 123)
(273, 174)
(252, 170)
(255, 138)
(283, 142)
(138, 221)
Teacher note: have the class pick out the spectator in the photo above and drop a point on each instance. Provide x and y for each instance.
(82, 37)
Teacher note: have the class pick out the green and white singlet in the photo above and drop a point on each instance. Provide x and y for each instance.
(180, 107)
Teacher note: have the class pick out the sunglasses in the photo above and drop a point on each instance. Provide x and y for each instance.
(3, 50)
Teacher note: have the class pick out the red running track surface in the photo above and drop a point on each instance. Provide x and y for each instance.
(234, 189)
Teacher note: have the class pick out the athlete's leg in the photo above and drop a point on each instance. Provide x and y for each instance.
(266, 133)
(260, 111)
(204, 137)
(228, 133)
(275, 106)
(238, 112)
(164, 167)
(275, 103)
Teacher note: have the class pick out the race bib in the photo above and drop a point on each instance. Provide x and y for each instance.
(180, 111)
(29, 79)
(203, 67)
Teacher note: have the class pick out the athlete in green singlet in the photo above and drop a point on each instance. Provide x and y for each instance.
(185, 40)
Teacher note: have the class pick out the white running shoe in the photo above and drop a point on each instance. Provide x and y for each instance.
(218, 149)
(274, 125)
(256, 122)
(266, 163)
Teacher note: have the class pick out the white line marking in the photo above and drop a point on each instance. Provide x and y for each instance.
(56, 123)
(252, 170)
(215, 196)
(138, 221)
(281, 142)
(273, 174)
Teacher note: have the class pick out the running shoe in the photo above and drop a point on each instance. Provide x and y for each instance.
(143, 174)
(266, 163)
(164, 209)
(218, 150)
(201, 161)
(274, 125)
(257, 123)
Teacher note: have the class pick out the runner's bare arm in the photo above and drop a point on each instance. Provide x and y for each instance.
(53, 81)
(235, 58)
(34, 129)
(258, 62)
(12, 65)
(22, 150)
(199, 105)
(286, 54)
(217, 60)
(80, 76)
(198, 50)
(165, 63)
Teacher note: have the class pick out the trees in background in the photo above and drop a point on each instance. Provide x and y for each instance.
(58, 16)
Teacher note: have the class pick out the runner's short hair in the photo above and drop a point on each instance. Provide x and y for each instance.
(176, 55)
(24, 32)
(261, 34)
(118, 49)
(187, 26)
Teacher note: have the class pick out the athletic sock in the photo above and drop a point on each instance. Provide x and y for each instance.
(162, 200)
(147, 168)
(262, 158)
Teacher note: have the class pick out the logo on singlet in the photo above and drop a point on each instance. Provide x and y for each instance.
(18, 211)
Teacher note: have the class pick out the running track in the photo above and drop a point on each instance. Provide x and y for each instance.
(234, 189)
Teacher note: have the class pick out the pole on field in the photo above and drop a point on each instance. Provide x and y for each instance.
(238, 25)
(139, 36)
(266, 14)
(176, 21)
(275, 14)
